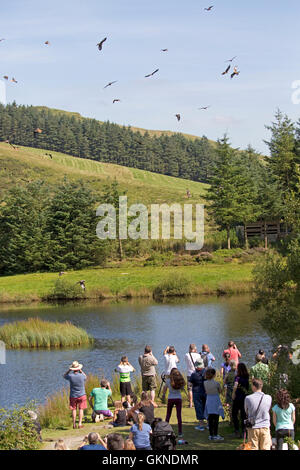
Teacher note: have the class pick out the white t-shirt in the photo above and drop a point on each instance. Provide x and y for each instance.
(170, 363)
(189, 363)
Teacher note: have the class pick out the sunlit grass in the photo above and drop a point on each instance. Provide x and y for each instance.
(37, 333)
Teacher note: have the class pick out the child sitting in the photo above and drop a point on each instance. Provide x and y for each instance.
(120, 414)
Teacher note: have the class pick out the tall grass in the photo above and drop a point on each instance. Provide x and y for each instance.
(176, 285)
(37, 333)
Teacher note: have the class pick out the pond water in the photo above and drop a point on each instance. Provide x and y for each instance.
(125, 328)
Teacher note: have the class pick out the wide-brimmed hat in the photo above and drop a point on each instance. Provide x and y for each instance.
(76, 366)
(199, 364)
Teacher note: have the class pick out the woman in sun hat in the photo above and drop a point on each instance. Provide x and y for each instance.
(77, 379)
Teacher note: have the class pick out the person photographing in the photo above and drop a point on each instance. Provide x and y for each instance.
(171, 361)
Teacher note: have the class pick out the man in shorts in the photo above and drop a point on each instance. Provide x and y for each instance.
(147, 363)
(100, 396)
(77, 379)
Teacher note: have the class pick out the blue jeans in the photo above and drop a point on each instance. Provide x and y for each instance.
(199, 402)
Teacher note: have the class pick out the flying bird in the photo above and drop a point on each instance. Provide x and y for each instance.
(5, 77)
(151, 74)
(47, 43)
(110, 83)
(204, 107)
(164, 50)
(116, 101)
(209, 8)
(178, 117)
(227, 70)
(100, 44)
(235, 72)
(231, 60)
(14, 80)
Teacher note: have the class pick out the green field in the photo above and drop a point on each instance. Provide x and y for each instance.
(130, 281)
(27, 164)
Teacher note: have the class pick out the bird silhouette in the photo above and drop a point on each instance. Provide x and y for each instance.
(5, 77)
(151, 74)
(47, 43)
(235, 72)
(164, 50)
(100, 44)
(227, 70)
(178, 117)
(231, 60)
(110, 83)
(14, 80)
(116, 101)
(204, 107)
(209, 8)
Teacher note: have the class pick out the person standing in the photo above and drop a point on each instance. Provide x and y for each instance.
(175, 384)
(147, 363)
(235, 354)
(240, 391)
(207, 356)
(213, 407)
(124, 369)
(225, 367)
(199, 395)
(283, 417)
(260, 370)
(257, 408)
(171, 361)
(100, 396)
(190, 359)
(76, 377)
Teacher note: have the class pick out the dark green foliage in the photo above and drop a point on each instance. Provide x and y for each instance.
(173, 155)
(277, 293)
(46, 229)
(17, 430)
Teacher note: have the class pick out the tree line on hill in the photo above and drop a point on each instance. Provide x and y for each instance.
(174, 155)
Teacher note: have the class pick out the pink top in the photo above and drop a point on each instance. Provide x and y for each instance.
(234, 354)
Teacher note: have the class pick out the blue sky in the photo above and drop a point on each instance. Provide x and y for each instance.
(71, 73)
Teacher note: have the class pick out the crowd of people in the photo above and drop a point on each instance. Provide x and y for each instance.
(239, 391)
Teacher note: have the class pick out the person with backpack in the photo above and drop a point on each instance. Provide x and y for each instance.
(190, 359)
(175, 384)
(207, 356)
(257, 408)
(240, 391)
(162, 437)
(199, 395)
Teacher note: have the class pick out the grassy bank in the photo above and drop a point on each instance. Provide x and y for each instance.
(132, 282)
(36, 333)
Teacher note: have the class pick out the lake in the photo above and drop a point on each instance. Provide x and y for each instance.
(124, 329)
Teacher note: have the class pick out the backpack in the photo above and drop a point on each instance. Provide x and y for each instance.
(204, 357)
(163, 437)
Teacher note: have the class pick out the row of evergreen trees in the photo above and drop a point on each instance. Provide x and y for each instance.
(68, 133)
(245, 190)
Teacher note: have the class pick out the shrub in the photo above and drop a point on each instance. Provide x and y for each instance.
(65, 290)
(176, 285)
(17, 430)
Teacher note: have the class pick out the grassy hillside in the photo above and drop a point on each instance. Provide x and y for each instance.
(28, 164)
